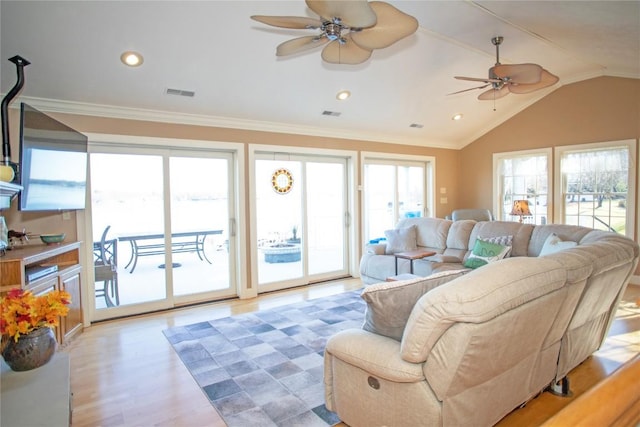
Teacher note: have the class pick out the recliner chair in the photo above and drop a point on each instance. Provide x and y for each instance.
(474, 214)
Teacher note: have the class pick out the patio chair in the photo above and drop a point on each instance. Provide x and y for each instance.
(105, 254)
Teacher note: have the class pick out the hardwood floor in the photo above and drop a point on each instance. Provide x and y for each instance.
(125, 373)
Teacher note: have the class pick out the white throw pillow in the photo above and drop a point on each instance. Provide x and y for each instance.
(554, 244)
(401, 240)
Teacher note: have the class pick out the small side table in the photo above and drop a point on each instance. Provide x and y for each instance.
(412, 256)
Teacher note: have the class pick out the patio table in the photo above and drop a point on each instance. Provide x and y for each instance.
(147, 244)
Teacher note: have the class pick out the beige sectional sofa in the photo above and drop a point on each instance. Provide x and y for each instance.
(467, 346)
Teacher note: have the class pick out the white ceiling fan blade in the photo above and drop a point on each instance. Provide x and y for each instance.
(475, 79)
(492, 94)
(546, 80)
(467, 90)
(354, 13)
(519, 73)
(345, 53)
(296, 22)
(392, 26)
(300, 44)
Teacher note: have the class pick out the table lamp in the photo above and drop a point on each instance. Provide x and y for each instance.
(520, 208)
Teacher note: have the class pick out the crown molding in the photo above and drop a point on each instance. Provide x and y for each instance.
(127, 113)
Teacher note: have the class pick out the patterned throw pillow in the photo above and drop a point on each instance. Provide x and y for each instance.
(500, 240)
(401, 240)
(485, 252)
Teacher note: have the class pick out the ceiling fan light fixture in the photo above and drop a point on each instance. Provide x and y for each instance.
(131, 58)
(343, 95)
(510, 78)
(375, 24)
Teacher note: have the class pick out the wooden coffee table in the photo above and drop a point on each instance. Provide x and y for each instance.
(412, 256)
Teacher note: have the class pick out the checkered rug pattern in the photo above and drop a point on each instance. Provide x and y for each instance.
(266, 368)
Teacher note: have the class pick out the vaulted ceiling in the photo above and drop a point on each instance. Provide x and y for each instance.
(214, 49)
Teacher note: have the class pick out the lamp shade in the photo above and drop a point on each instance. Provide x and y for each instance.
(520, 208)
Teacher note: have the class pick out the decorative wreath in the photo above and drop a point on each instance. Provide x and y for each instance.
(282, 181)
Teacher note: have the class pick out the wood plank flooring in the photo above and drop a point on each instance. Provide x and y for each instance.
(125, 373)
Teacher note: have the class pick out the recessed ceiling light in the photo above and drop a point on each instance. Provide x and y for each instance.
(343, 94)
(131, 59)
(457, 117)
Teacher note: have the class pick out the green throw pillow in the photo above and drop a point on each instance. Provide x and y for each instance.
(485, 252)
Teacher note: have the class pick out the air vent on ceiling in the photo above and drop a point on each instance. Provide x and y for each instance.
(331, 113)
(416, 125)
(180, 92)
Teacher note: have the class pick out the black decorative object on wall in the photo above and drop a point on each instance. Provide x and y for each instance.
(6, 146)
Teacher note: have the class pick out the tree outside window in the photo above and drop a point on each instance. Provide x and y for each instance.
(595, 188)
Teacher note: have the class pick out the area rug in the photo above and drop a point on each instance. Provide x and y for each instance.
(266, 368)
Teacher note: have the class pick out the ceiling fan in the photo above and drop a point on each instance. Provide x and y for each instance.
(510, 78)
(349, 29)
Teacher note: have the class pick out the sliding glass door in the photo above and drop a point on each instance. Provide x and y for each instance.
(392, 190)
(125, 205)
(199, 214)
(301, 219)
(167, 216)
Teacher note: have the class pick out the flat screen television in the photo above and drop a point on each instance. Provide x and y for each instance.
(53, 163)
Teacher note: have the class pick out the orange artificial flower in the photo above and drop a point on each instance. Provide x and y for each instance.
(22, 312)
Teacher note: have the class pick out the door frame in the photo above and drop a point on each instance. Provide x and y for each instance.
(398, 159)
(237, 248)
(352, 235)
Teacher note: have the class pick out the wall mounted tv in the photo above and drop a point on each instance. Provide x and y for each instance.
(53, 163)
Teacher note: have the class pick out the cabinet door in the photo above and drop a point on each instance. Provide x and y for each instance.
(71, 324)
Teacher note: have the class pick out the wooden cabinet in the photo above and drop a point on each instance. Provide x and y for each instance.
(15, 265)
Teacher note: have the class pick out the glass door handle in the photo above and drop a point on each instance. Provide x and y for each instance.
(232, 227)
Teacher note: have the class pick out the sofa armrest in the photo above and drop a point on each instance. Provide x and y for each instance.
(376, 354)
(375, 248)
(443, 258)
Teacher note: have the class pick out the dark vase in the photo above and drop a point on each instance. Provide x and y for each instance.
(31, 350)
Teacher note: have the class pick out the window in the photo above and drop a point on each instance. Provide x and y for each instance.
(596, 186)
(522, 175)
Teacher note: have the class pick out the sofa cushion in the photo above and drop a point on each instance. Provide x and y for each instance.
(477, 297)
(458, 237)
(485, 252)
(389, 304)
(401, 239)
(431, 233)
(555, 244)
